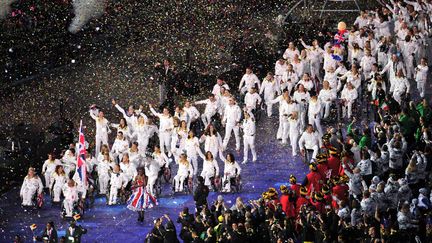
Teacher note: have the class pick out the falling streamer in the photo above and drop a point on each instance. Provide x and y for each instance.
(84, 11)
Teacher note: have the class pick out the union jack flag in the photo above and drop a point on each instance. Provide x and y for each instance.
(81, 158)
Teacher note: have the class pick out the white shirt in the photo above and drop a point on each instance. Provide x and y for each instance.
(101, 124)
(211, 106)
(421, 73)
(249, 126)
(193, 112)
(217, 89)
(249, 80)
(251, 100)
(165, 121)
(269, 87)
(310, 140)
(120, 146)
(289, 54)
(349, 95)
(232, 114)
(49, 166)
(327, 95)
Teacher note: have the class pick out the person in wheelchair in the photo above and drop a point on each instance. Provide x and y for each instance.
(232, 171)
(210, 168)
(184, 171)
(31, 187)
(70, 201)
(153, 167)
(58, 179)
(309, 140)
(349, 96)
(327, 96)
(118, 183)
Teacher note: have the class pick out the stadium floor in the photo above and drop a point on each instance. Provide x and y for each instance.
(118, 224)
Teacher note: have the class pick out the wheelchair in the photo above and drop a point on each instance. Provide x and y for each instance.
(164, 174)
(187, 185)
(78, 208)
(307, 157)
(216, 183)
(236, 184)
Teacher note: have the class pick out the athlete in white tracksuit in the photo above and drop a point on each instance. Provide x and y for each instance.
(309, 140)
(348, 96)
(184, 171)
(289, 79)
(118, 182)
(143, 132)
(69, 161)
(401, 86)
(192, 150)
(102, 129)
(315, 54)
(249, 130)
(248, 81)
(212, 140)
(269, 87)
(130, 116)
(366, 63)
(294, 128)
(48, 169)
(231, 121)
(301, 96)
(281, 99)
(70, 192)
(314, 114)
(393, 66)
(280, 68)
(166, 125)
(31, 186)
(120, 146)
(104, 168)
(153, 166)
(212, 106)
(58, 180)
(192, 112)
(252, 99)
(326, 96)
(210, 166)
(231, 170)
(179, 136)
(287, 108)
(129, 169)
(422, 76)
(409, 49)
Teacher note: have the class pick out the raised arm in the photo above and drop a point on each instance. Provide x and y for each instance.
(154, 112)
(200, 152)
(92, 115)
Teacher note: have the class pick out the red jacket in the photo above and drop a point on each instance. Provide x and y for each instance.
(349, 165)
(340, 192)
(296, 188)
(322, 169)
(314, 181)
(287, 206)
(300, 202)
(334, 165)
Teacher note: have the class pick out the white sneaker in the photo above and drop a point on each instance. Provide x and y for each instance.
(254, 160)
(244, 162)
